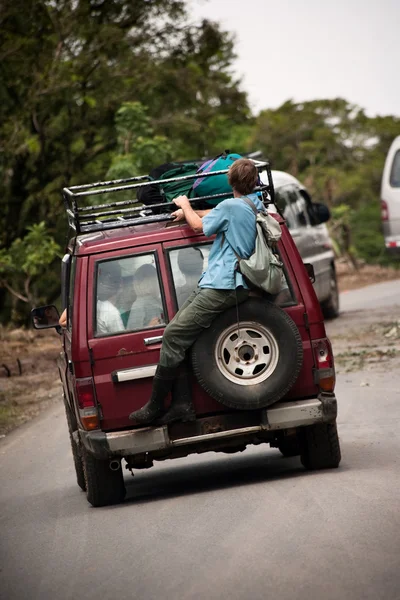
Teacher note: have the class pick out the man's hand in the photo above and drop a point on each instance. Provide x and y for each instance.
(178, 214)
(182, 202)
(63, 319)
(186, 212)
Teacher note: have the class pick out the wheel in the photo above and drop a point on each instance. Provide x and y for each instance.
(319, 446)
(289, 446)
(250, 365)
(80, 476)
(103, 486)
(330, 307)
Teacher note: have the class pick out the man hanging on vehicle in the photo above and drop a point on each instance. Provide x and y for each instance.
(219, 288)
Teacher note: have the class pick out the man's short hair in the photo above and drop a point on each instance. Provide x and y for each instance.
(243, 176)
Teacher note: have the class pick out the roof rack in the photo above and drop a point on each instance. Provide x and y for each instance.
(127, 213)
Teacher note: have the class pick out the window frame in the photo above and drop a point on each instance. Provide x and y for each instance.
(294, 299)
(168, 251)
(153, 252)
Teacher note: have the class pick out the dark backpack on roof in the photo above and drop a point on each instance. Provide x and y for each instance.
(159, 192)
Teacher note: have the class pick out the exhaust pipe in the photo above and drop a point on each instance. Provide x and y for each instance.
(115, 465)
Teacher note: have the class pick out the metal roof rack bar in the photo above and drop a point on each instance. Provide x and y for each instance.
(143, 209)
(258, 164)
(147, 183)
(85, 219)
(156, 206)
(111, 182)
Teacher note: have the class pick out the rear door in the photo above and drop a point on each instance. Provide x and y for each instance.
(127, 314)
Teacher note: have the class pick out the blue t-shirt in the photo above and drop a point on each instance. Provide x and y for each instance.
(236, 220)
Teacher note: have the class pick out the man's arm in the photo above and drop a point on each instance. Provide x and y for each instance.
(193, 218)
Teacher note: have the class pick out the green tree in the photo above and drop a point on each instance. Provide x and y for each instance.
(66, 68)
(24, 266)
(339, 153)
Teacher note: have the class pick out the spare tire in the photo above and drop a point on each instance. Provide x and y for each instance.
(252, 365)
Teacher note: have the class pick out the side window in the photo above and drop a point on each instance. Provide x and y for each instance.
(187, 265)
(395, 171)
(298, 206)
(128, 295)
(282, 199)
(302, 211)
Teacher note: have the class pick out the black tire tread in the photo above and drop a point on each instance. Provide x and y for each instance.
(103, 486)
(289, 446)
(80, 475)
(320, 446)
(328, 308)
(290, 381)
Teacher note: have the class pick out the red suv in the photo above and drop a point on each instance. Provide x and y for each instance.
(125, 274)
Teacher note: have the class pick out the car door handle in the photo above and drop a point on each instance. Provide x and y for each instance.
(153, 340)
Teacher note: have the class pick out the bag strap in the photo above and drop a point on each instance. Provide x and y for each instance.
(251, 204)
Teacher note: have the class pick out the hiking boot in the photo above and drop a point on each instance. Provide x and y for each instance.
(162, 384)
(181, 408)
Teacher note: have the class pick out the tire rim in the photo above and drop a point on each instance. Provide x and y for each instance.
(248, 356)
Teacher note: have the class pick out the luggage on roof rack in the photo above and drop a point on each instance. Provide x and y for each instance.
(127, 213)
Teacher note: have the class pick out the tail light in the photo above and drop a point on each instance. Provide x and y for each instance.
(325, 376)
(88, 412)
(384, 211)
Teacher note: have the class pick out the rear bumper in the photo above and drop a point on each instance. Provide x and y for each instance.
(213, 431)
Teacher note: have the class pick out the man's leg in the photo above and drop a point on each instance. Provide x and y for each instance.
(163, 381)
(198, 312)
(192, 319)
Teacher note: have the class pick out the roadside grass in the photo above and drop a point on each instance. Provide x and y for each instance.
(9, 417)
(356, 360)
(29, 379)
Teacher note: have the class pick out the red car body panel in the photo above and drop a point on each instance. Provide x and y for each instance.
(98, 357)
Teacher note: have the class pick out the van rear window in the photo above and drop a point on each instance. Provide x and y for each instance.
(189, 262)
(128, 295)
(395, 172)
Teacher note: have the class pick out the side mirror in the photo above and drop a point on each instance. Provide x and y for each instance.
(45, 317)
(321, 212)
(310, 271)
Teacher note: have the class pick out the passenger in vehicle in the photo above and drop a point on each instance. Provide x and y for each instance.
(108, 319)
(190, 263)
(220, 287)
(126, 297)
(146, 310)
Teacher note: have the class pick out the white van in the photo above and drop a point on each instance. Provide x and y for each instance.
(390, 198)
(306, 222)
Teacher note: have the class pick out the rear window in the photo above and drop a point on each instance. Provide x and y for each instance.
(395, 172)
(128, 295)
(187, 265)
(189, 262)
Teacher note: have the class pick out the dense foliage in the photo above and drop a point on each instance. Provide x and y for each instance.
(339, 153)
(96, 88)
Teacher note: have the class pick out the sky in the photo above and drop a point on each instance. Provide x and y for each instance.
(313, 49)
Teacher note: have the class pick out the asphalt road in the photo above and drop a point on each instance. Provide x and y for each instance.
(247, 526)
(380, 295)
